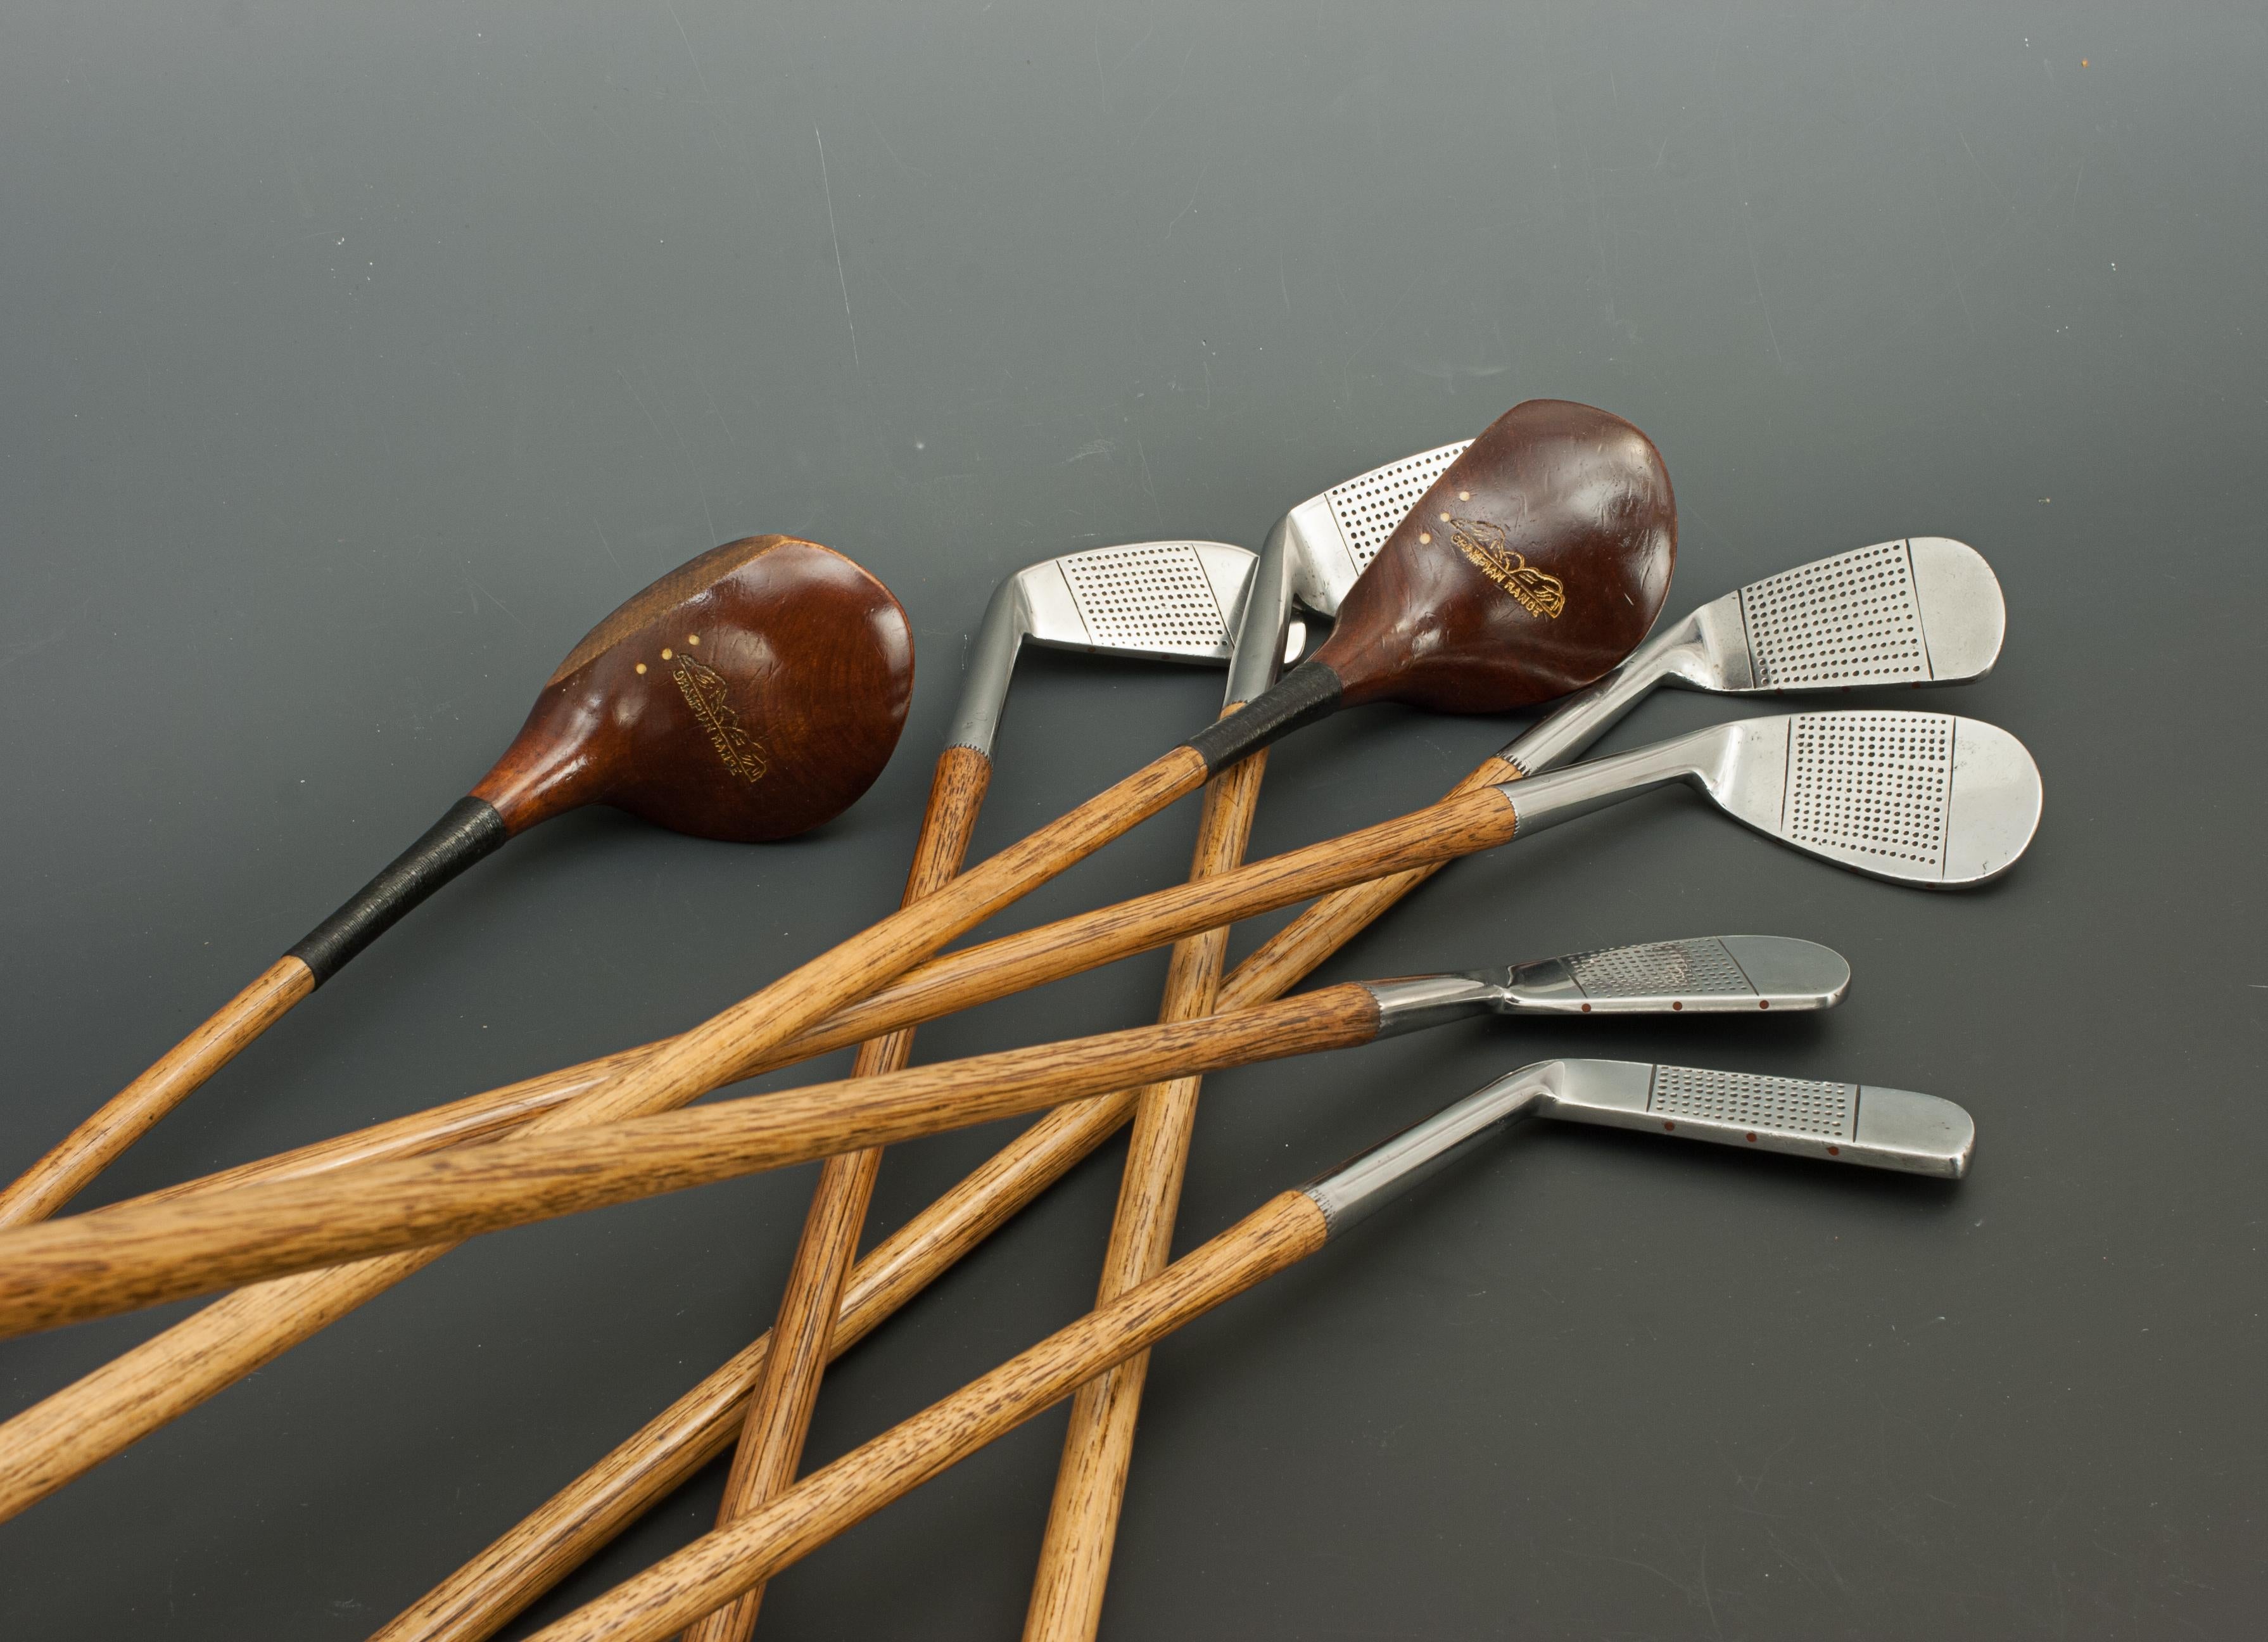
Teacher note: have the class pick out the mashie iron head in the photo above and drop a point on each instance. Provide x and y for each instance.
(1919, 798)
(1922, 610)
(1916, 798)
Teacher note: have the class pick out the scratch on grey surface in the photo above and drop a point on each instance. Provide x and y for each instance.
(883, 137)
(684, 451)
(672, 6)
(480, 592)
(1747, 215)
(637, 400)
(1789, 1558)
(841, 280)
(608, 546)
(16, 651)
(1202, 171)
(1749, 233)
(1751, 1486)
(1709, 1601)
(1146, 484)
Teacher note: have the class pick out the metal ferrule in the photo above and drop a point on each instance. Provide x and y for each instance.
(1433, 1000)
(1562, 795)
(991, 662)
(1263, 622)
(1564, 733)
(1358, 1188)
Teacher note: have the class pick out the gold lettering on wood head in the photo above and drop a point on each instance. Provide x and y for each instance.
(1539, 593)
(703, 689)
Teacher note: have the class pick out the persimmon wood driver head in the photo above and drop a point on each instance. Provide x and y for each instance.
(749, 695)
(1531, 567)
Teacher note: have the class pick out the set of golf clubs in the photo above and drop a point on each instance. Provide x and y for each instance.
(1526, 566)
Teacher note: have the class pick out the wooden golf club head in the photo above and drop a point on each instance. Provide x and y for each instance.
(748, 695)
(1535, 564)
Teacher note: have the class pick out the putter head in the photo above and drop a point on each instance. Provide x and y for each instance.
(1163, 601)
(1703, 974)
(1838, 1123)
(1923, 610)
(1706, 974)
(1842, 1123)
(1918, 798)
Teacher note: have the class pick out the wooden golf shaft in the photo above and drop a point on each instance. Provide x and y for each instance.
(713, 1569)
(78, 1427)
(779, 1410)
(471, 830)
(93, 1265)
(129, 1115)
(54, 1440)
(1082, 1520)
(960, 979)
(558, 1536)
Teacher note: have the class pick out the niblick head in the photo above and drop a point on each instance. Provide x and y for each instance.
(749, 695)
(1533, 565)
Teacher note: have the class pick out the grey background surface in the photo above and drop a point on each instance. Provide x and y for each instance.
(355, 360)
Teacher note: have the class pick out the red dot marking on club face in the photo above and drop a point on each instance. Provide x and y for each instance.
(1834, 1151)
(1587, 1009)
(1763, 1003)
(1667, 1127)
(1675, 1008)
(1752, 1138)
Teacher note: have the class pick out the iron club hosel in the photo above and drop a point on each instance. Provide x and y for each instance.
(1561, 795)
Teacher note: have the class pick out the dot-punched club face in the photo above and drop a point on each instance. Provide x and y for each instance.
(1198, 603)
(1159, 600)
(1925, 799)
(1921, 610)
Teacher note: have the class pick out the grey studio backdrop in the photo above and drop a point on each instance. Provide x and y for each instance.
(355, 360)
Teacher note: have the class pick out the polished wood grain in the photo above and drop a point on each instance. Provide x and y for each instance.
(78, 1427)
(975, 975)
(1535, 564)
(1083, 1517)
(751, 694)
(129, 1115)
(86, 1423)
(716, 1567)
(482, 1595)
(135, 1254)
(97, 1264)
(779, 1407)
(1532, 567)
